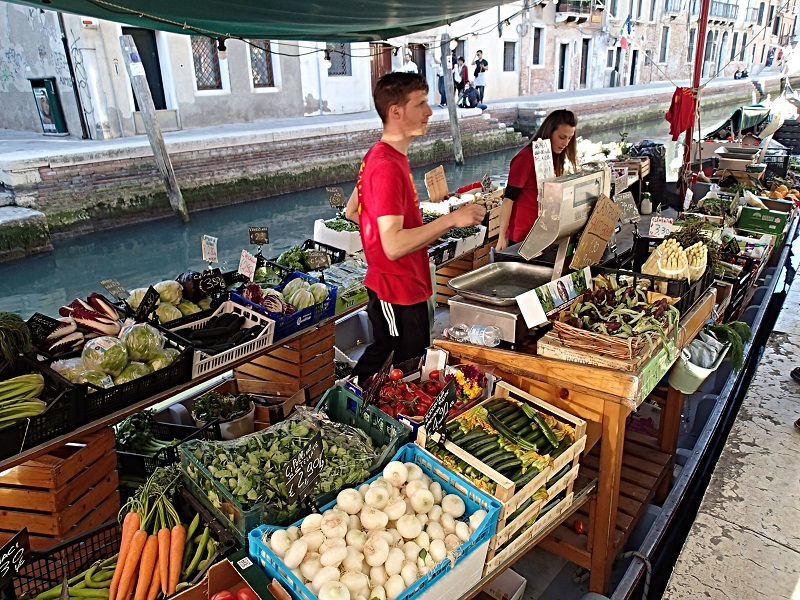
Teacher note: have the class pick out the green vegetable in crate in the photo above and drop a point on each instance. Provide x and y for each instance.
(166, 313)
(96, 378)
(107, 354)
(143, 341)
(136, 297)
(213, 405)
(204, 303)
(169, 291)
(163, 360)
(293, 286)
(293, 258)
(134, 370)
(19, 398)
(135, 434)
(187, 307)
(301, 299)
(320, 292)
(15, 339)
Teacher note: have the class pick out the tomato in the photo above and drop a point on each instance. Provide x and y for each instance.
(396, 375)
(246, 593)
(577, 525)
(435, 375)
(223, 595)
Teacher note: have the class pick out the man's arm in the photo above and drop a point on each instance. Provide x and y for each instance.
(398, 242)
(351, 211)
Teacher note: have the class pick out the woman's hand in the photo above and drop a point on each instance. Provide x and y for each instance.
(502, 244)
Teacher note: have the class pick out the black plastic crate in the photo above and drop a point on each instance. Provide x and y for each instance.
(59, 418)
(132, 464)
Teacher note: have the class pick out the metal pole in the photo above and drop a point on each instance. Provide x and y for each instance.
(449, 94)
(705, 5)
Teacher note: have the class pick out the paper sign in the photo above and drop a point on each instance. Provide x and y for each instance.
(41, 326)
(436, 184)
(247, 265)
(148, 303)
(209, 248)
(137, 69)
(687, 199)
(302, 471)
(630, 214)
(486, 183)
(115, 288)
(543, 160)
(13, 556)
(537, 304)
(598, 231)
(316, 260)
(436, 416)
(660, 227)
(259, 235)
(335, 197)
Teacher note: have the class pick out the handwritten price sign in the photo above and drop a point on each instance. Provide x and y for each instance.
(247, 265)
(660, 227)
(209, 244)
(302, 471)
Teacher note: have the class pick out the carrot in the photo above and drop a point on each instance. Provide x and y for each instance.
(127, 580)
(129, 594)
(149, 563)
(155, 585)
(163, 557)
(176, 544)
(129, 526)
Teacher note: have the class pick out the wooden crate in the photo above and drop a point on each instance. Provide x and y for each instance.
(493, 228)
(71, 489)
(549, 346)
(506, 491)
(639, 166)
(454, 268)
(306, 361)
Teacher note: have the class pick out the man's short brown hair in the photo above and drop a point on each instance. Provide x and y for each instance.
(393, 89)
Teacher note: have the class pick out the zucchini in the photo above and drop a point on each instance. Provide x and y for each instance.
(510, 434)
(554, 479)
(474, 445)
(527, 477)
(507, 465)
(452, 426)
(501, 456)
(456, 435)
(486, 449)
(520, 510)
(506, 410)
(520, 426)
(495, 404)
(475, 434)
(548, 433)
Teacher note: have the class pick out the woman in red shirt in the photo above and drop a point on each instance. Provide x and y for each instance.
(521, 200)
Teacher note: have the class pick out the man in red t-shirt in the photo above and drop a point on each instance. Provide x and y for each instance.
(386, 206)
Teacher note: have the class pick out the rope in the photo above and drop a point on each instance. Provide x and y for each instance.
(647, 565)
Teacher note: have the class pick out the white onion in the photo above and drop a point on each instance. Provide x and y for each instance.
(354, 522)
(279, 542)
(453, 505)
(356, 538)
(314, 539)
(414, 471)
(334, 525)
(376, 550)
(350, 501)
(372, 518)
(438, 550)
(394, 562)
(293, 533)
(476, 519)
(377, 497)
(448, 523)
(396, 472)
(423, 540)
(395, 508)
(397, 539)
(353, 560)
(411, 550)
(377, 575)
(422, 501)
(394, 586)
(409, 527)
(362, 489)
(435, 513)
(409, 573)
(310, 566)
(436, 490)
(354, 581)
(451, 542)
(434, 530)
(333, 590)
(462, 531)
(422, 518)
(412, 488)
(334, 556)
(325, 575)
(331, 543)
(311, 523)
(377, 593)
(426, 480)
(295, 554)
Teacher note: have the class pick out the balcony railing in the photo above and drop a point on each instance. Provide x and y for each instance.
(717, 10)
(580, 7)
(672, 7)
(751, 16)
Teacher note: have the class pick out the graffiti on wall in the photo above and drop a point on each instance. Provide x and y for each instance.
(81, 79)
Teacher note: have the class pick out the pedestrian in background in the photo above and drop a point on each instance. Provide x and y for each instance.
(460, 74)
(409, 66)
(481, 66)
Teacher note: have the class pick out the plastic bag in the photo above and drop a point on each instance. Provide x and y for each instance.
(69, 368)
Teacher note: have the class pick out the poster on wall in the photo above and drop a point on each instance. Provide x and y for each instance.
(45, 110)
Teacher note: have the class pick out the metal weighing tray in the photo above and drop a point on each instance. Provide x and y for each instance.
(500, 283)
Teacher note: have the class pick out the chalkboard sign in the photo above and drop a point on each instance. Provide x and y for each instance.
(436, 416)
(259, 235)
(302, 471)
(211, 281)
(115, 288)
(42, 326)
(13, 556)
(148, 303)
(373, 387)
(335, 197)
(316, 260)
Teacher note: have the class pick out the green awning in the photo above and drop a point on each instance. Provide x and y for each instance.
(323, 20)
(741, 120)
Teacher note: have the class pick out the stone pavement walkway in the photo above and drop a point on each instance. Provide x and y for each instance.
(745, 541)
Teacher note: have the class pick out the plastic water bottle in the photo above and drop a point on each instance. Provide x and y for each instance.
(480, 335)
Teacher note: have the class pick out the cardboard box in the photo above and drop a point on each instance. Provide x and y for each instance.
(230, 574)
(509, 585)
(762, 221)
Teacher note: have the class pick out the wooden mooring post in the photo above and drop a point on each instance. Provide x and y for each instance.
(450, 95)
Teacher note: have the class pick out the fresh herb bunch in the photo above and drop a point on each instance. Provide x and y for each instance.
(293, 258)
(694, 231)
(341, 223)
(213, 405)
(737, 334)
(455, 232)
(135, 434)
(15, 339)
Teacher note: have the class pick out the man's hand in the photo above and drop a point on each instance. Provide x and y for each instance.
(502, 244)
(470, 214)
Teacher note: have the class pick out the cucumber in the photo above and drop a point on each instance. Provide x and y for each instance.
(548, 433)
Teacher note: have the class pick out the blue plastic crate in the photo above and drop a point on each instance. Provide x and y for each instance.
(451, 483)
(286, 325)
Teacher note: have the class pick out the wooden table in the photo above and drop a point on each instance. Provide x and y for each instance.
(631, 469)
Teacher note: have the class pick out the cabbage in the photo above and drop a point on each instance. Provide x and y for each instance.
(107, 354)
(161, 361)
(169, 291)
(320, 292)
(172, 354)
(204, 303)
(136, 298)
(96, 378)
(187, 307)
(69, 368)
(143, 341)
(132, 371)
(166, 313)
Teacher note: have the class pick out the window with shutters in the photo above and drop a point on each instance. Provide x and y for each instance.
(537, 59)
(206, 63)
(509, 56)
(662, 57)
(261, 64)
(340, 59)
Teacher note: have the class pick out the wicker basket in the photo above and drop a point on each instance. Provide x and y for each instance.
(625, 348)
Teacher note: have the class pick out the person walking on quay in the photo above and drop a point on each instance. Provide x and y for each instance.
(385, 204)
(481, 66)
(460, 74)
(409, 66)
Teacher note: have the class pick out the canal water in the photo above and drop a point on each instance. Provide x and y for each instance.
(143, 254)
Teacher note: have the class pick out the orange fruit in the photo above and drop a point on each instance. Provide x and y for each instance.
(782, 189)
(794, 192)
(775, 194)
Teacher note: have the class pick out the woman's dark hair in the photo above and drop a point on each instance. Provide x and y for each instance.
(393, 89)
(558, 117)
(461, 58)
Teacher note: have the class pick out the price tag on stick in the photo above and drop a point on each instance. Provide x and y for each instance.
(247, 265)
(14, 555)
(436, 416)
(317, 260)
(211, 281)
(660, 227)
(42, 326)
(209, 244)
(302, 471)
(335, 196)
(148, 303)
(115, 288)
(259, 235)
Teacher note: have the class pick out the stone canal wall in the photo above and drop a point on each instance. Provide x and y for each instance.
(85, 191)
